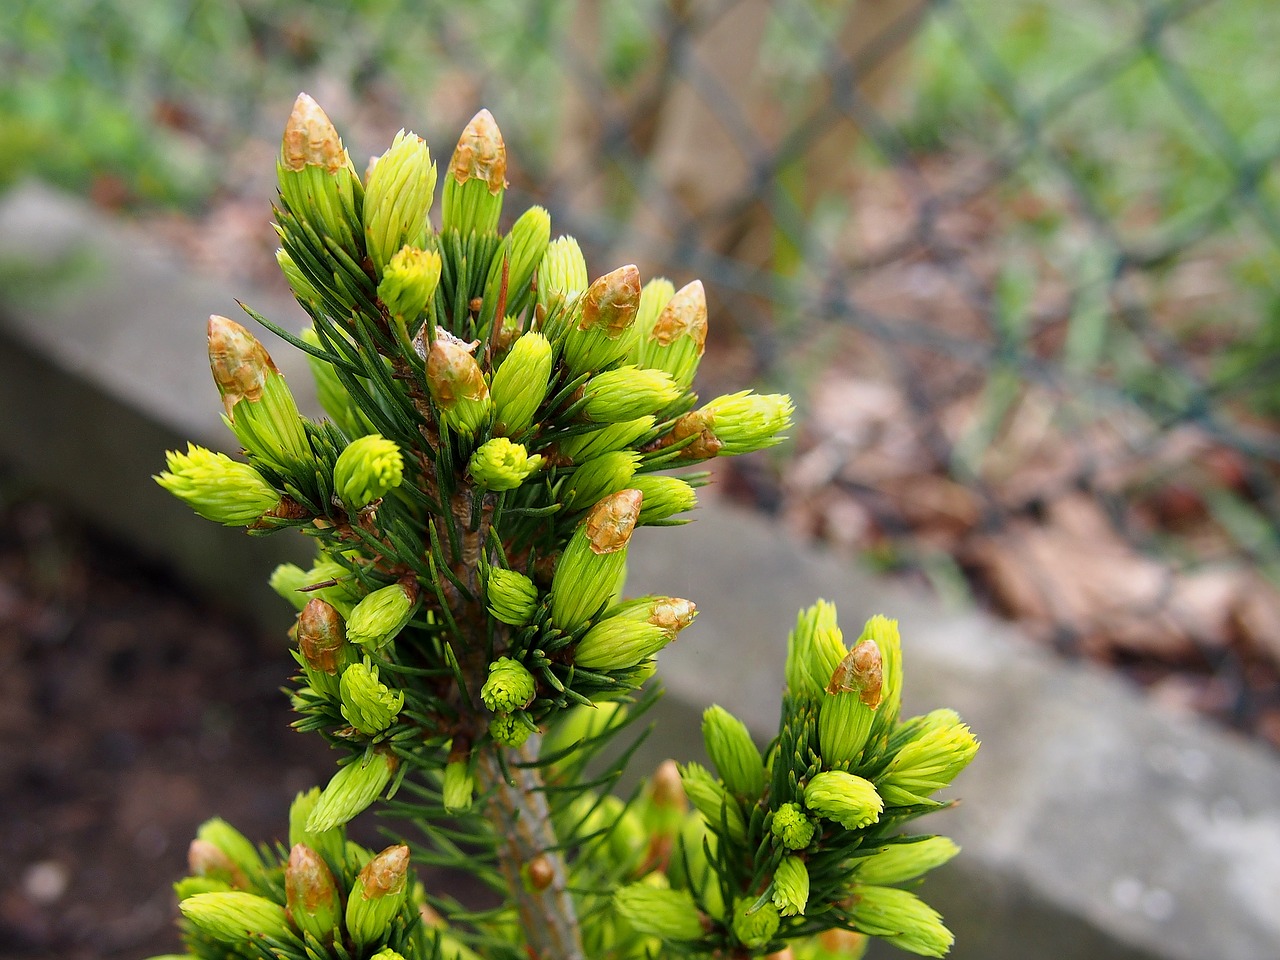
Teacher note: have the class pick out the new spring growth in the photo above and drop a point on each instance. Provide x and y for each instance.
(512, 729)
(522, 251)
(476, 179)
(792, 827)
(318, 184)
(381, 615)
(330, 843)
(709, 798)
(594, 560)
(814, 650)
(562, 278)
(459, 786)
(206, 861)
(333, 396)
(367, 469)
(508, 687)
(303, 289)
(599, 477)
(755, 926)
(847, 710)
(377, 895)
(351, 790)
(657, 912)
(397, 200)
(734, 424)
(941, 748)
(731, 749)
(218, 488)
(408, 283)
(633, 631)
(312, 901)
(367, 703)
(601, 335)
(791, 887)
(901, 918)
(520, 384)
(626, 393)
(220, 848)
(883, 632)
(457, 384)
(512, 597)
(607, 439)
(260, 410)
(234, 916)
(677, 337)
(498, 464)
(849, 800)
(664, 497)
(900, 862)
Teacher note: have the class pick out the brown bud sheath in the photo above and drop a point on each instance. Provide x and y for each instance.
(861, 672)
(452, 372)
(240, 364)
(321, 634)
(206, 859)
(685, 315)
(481, 154)
(611, 521)
(386, 873)
(611, 302)
(310, 138)
(673, 614)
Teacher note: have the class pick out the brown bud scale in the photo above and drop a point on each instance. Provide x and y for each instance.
(240, 364)
(481, 154)
(611, 302)
(861, 672)
(310, 138)
(685, 315)
(611, 521)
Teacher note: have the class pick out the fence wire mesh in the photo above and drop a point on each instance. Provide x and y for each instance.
(1019, 262)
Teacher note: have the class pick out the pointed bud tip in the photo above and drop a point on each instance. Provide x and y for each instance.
(611, 521)
(685, 315)
(310, 138)
(481, 153)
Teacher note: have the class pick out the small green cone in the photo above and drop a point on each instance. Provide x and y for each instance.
(849, 800)
(351, 790)
(520, 384)
(512, 597)
(312, 901)
(616, 643)
(397, 199)
(792, 827)
(476, 179)
(377, 895)
(667, 914)
(217, 487)
(562, 277)
(380, 616)
(235, 917)
(847, 709)
(408, 283)
(508, 687)
(512, 729)
(367, 469)
(368, 704)
(731, 749)
(735, 424)
(498, 464)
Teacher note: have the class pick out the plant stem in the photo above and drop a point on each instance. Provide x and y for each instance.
(522, 818)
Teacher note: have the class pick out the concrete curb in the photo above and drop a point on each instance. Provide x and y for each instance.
(1095, 825)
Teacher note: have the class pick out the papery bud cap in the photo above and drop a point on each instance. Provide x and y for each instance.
(611, 302)
(611, 521)
(310, 138)
(481, 153)
(322, 636)
(240, 364)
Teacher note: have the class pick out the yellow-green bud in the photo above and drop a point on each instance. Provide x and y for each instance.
(476, 179)
(367, 469)
(847, 709)
(654, 296)
(791, 887)
(603, 333)
(743, 422)
(351, 790)
(616, 436)
(235, 916)
(849, 800)
(511, 729)
(508, 687)
(237, 847)
(317, 180)
(457, 384)
(217, 487)
(499, 464)
(617, 643)
(206, 860)
(459, 786)
(626, 393)
(190, 886)
(330, 843)
(386, 953)
(599, 477)
(520, 384)
(511, 596)
(900, 862)
(521, 251)
(303, 290)
(367, 703)
(929, 761)
(667, 914)
(312, 900)
(901, 918)
(664, 497)
(792, 827)
(677, 337)
(381, 615)
(755, 929)
(377, 895)
(260, 410)
(814, 651)
(594, 560)
(713, 801)
(287, 579)
(408, 283)
(562, 275)
(397, 200)
(731, 749)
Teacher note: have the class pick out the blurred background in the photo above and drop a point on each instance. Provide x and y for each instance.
(1019, 264)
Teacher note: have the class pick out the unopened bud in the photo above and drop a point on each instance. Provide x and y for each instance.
(791, 887)
(512, 597)
(562, 275)
(616, 436)
(318, 184)
(508, 687)
(901, 918)
(594, 560)
(322, 638)
(205, 859)
(849, 800)
(312, 900)
(233, 843)
(499, 464)
(521, 252)
(814, 651)
(329, 843)
(397, 199)
(709, 797)
(603, 333)
(511, 729)
(664, 497)
(377, 895)
(666, 914)
(351, 790)
(675, 341)
(731, 749)
(616, 643)
(367, 703)
(218, 488)
(900, 862)
(381, 615)
(369, 467)
(599, 477)
(654, 296)
(846, 711)
(520, 384)
(626, 393)
(235, 917)
(476, 179)
(883, 633)
(754, 926)
(409, 282)
(792, 827)
(457, 385)
(459, 786)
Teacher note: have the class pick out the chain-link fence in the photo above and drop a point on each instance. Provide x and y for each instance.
(1020, 262)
